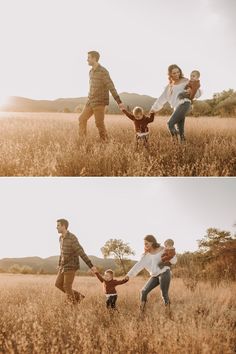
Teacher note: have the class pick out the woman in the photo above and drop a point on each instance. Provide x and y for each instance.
(159, 276)
(176, 85)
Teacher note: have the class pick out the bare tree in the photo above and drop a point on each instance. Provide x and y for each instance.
(119, 250)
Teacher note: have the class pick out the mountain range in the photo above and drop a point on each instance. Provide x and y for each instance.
(22, 104)
(49, 265)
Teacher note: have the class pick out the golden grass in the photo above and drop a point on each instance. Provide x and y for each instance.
(34, 318)
(46, 144)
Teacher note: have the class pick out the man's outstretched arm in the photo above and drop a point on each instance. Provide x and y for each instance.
(111, 87)
(79, 251)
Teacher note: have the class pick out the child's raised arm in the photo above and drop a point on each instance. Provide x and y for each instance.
(128, 114)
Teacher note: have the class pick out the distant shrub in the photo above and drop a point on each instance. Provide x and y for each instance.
(227, 107)
(15, 268)
(79, 108)
(201, 108)
(26, 270)
(41, 271)
(66, 110)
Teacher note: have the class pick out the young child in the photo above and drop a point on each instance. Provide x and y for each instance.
(168, 254)
(193, 85)
(109, 287)
(140, 123)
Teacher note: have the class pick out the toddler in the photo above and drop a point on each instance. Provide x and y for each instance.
(140, 123)
(168, 254)
(109, 287)
(193, 85)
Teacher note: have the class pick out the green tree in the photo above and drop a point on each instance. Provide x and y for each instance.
(221, 96)
(215, 240)
(218, 249)
(227, 107)
(118, 249)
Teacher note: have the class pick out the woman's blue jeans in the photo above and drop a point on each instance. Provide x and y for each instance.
(178, 118)
(163, 280)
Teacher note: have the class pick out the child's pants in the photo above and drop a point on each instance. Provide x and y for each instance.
(142, 138)
(111, 301)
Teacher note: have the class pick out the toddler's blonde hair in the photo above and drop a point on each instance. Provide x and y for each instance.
(137, 110)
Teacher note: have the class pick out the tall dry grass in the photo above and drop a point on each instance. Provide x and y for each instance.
(46, 144)
(34, 318)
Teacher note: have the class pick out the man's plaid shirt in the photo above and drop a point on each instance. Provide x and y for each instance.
(71, 250)
(100, 84)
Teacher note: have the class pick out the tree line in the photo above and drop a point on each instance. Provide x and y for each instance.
(222, 104)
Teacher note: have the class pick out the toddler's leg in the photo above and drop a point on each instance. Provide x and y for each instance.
(108, 302)
(113, 301)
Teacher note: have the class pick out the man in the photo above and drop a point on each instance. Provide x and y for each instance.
(98, 98)
(71, 250)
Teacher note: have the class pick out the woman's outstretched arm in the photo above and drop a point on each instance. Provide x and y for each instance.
(150, 119)
(159, 103)
(140, 265)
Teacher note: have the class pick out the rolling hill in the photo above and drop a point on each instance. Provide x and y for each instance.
(48, 265)
(22, 104)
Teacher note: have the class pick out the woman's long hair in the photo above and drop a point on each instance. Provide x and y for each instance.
(170, 68)
(152, 239)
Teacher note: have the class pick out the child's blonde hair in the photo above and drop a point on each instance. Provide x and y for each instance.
(137, 110)
(169, 242)
(109, 271)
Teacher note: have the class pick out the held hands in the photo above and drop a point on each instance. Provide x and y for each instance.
(126, 277)
(94, 269)
(122, 106)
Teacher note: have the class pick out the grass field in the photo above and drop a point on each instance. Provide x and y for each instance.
(46, 144)
(34, 318)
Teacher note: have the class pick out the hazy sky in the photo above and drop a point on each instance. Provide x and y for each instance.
(102, 208)
(44, 44)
